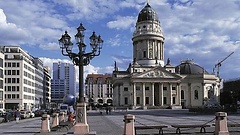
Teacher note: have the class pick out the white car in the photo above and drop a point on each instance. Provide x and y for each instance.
(32, 115)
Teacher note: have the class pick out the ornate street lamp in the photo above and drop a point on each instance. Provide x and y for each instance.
(81, 59)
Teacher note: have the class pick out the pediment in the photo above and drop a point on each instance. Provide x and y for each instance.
(157, 73)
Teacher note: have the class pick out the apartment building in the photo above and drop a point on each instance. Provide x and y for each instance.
(98, 89)
(23, 79)
(1, 79)
(63, 81)
(46, 87)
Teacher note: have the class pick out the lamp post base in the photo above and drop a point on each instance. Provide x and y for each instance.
(81, 127)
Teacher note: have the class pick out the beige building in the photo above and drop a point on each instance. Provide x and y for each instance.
(150, 83)
(98, 89)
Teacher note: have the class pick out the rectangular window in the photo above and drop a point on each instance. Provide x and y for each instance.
(164, 100)
(147, 100)
(125, 88)
(137, 87)
(13, 80)
(126, 100)
(174, 100)
(144, 54)
(14, 64)
(1, 84)
(138, 100)
(13, 88)
(164, 88)
(9, 88)
(1, 73)
(13, 96)
(13, 72)
(1, 95)
(173, 88)
(1, 62)
(146, 88)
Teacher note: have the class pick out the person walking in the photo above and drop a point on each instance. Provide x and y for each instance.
(17, 116)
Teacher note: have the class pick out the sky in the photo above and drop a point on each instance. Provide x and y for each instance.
(205, 31)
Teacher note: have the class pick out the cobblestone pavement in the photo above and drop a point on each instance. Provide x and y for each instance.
(113, 124)
(157, 117)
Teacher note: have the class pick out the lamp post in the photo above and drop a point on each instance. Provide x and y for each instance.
(81, 59)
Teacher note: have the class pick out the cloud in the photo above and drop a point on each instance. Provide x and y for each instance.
(9, 32)
(122, 22)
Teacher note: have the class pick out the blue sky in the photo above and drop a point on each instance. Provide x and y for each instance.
(203, 30)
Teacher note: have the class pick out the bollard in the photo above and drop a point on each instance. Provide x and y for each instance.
(129, 124)
(62, 117)
(45, 127)
(221, 127)
(55, 120)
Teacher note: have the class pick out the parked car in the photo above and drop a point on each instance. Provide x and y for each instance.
(39, 113)
(32, 115)
(1, 117)
(24, 114)
(8, 116)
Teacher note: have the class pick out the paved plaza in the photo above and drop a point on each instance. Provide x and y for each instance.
(113, 124)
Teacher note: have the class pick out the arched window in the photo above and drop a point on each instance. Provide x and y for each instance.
(196, 94)
(182, 94)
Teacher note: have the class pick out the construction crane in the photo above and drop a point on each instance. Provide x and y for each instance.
(219, 64)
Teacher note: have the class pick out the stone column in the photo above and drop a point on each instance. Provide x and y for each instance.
(143, 96)
(189, 95)
(170, 94)
(153, 94)
(129, 124)
(62, 117)
(45, 126)
(55, 120)
(161, 94)
(221, 127)
(178, 94)
(134, 95)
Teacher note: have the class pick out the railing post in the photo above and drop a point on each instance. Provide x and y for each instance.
(45, 127)
(129, 124)
(55, 120)
(221, 127)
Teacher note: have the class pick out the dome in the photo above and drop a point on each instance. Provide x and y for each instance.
(147, 13)
(189, 67)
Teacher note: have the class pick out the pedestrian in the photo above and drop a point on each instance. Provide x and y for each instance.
(17, 116)
(71, 117)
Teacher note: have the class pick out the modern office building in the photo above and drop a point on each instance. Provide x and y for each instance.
(63, 81)
(149, 83)
(39, 79)
(98, 89)
(46, 88)
(2, 99)
(23, 79)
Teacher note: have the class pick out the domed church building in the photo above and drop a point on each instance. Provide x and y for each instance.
(150, 83)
